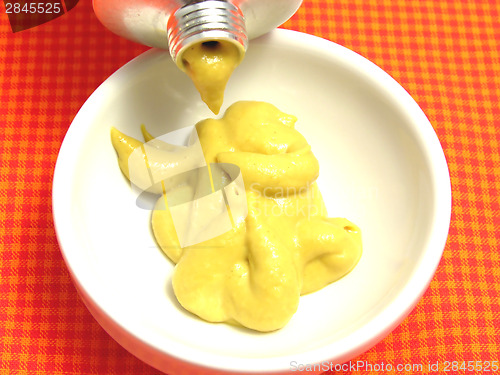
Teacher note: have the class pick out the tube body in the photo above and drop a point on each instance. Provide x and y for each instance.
(147, 21)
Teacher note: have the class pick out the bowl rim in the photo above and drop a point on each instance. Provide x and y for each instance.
(337, 352)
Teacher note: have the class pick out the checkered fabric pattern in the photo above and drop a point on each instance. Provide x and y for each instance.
(445, 53)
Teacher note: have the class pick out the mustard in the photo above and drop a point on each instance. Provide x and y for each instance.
(209, 65)
(287, 246)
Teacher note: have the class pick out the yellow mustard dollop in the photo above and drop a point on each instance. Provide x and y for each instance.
(209, 65)
(287, 246)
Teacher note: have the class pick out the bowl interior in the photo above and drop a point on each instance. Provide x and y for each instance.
(380, 167)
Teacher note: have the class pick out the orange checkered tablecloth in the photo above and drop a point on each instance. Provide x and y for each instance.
(445, 53)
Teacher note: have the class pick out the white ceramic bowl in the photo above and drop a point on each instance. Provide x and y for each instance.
(381, 166)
